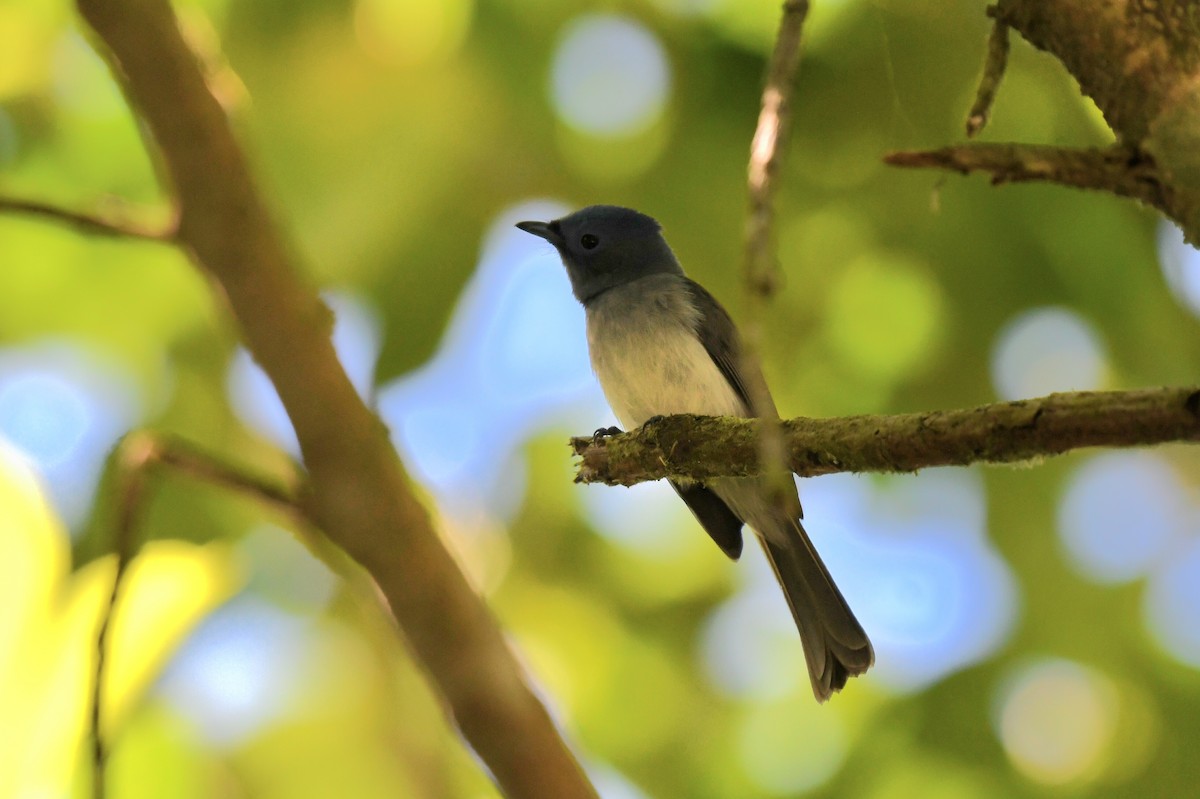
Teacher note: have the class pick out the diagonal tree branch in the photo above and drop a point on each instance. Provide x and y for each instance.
(358, 492)
(704, 447)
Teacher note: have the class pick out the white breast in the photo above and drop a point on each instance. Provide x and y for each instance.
(645, 353)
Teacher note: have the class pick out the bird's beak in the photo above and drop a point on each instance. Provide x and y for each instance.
(546, 230)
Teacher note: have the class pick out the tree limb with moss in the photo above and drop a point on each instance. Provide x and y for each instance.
(706, 447)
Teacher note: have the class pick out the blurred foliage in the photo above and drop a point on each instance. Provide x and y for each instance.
(47, 643)
(390, 135)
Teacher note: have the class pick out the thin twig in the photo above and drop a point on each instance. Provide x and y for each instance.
(133, 457)
(760, 270)
(1117, 169)
(993, 73)
(706, 447)
(767, 150)
(191, 461)
(136, 458)
(111, 225)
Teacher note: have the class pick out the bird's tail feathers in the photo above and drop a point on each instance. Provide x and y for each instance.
(836, 647)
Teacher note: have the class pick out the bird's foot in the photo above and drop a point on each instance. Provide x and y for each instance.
(604, 432)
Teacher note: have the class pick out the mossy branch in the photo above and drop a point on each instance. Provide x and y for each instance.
(705, 447)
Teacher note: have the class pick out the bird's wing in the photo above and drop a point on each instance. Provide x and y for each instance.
(721, 524)
(717, 333)
(719, 336)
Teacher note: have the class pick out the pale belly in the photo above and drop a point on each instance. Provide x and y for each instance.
(650, 367)
(650, 363)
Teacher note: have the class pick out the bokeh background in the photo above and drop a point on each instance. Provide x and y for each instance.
(1037, 629)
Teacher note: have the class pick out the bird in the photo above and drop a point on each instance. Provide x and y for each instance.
(660, 344)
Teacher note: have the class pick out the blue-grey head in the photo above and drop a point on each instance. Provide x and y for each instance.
(604, 246)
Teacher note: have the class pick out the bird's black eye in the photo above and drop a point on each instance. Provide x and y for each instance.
(588, 241)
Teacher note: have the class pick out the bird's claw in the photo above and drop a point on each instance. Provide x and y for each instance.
(604, 432)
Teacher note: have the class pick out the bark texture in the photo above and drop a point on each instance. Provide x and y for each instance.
(1139, 61)
(356, 490)
(704, 447)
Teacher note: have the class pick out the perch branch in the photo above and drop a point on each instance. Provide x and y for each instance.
(1116, 169)
(704, 447)
(358, 491)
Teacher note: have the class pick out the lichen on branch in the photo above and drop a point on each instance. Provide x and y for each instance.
(705, 447)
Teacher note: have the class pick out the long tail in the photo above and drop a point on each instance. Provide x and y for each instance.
(835, 646)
